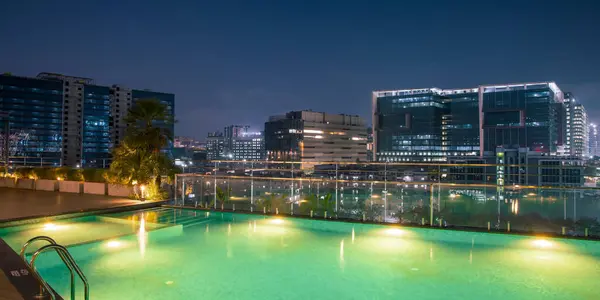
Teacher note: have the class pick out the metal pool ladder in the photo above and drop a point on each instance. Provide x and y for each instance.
(67, 259)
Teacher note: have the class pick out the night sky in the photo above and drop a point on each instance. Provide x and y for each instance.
(237, 62)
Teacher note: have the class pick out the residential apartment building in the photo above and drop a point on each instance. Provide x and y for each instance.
(312, 137)
(63, 120)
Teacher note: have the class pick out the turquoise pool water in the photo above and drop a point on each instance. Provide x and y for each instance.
(184, 254)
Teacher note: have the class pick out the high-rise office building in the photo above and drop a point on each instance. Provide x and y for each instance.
(313, 137)
(408, 125)
(433, 124)
(215, 146)
(248, 146)
(594, 140)
(460, 126)
(233, 131)
(522, 115)
(576, 128)
(425, 124)
(64, 120)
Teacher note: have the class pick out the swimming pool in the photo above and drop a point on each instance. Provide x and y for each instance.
(168, 253)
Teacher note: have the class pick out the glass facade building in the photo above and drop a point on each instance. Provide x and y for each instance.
(409, 125)
(461, 125)
(33, 109)
(428, 125)
(522, 115)
(577, 129)
(59, 120)
(593, 140)
(96, 132)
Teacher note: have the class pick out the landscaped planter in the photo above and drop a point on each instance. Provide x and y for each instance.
(7, 182)
(27, 184)
(95, 188)
(69, 186)
(46, 185)
(120, 190)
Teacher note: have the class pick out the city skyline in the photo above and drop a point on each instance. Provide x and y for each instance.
(227, 62)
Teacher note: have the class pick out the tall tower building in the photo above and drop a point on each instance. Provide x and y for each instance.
(576, 127)
(594, 140)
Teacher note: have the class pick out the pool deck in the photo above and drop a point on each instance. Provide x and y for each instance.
(17, 204)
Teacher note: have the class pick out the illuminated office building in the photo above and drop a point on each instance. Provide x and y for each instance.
(576, 128)
(308, 136)
(431, 124)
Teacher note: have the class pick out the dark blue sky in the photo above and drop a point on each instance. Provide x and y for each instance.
(241, 61)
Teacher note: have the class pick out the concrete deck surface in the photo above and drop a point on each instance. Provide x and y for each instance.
(18, 204)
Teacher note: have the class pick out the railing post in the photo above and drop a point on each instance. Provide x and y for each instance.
(292, 184)
(215, 187)
(251, 186)
(182, 191)
(336, 187)
(385, 192)
(431, 190)
(175, 191)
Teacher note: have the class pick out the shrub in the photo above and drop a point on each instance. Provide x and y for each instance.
(93, 175)
(25, 173)
(44, 173)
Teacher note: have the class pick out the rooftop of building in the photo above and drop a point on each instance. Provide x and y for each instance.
(486, 88)
(78, 79)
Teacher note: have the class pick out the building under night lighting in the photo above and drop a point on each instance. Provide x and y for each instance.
(63, 120)
(594, 140)
(432, 124)
(248, 146)
(576, 127)
(308, 136)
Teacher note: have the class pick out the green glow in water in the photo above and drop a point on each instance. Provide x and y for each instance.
(228, 256)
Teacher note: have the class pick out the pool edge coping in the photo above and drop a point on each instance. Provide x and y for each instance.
(80, 213)
(354, 221)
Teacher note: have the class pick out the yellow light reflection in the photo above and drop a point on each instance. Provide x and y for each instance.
(276, 221)
(50, 227)
(394, 232)
(541, 243)
(113, 244)
(142, 238)
(169, 282)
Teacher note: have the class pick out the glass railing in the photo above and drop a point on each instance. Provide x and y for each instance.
(540, 199)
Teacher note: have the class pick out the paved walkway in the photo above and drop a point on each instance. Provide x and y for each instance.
(17, 203)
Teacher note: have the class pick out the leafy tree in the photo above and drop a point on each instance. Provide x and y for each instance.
(223, 196)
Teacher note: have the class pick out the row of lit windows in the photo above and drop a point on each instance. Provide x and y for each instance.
(419, 104)
(34, 90)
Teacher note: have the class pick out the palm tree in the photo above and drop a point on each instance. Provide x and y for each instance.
(139, 157)
(142, 120)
